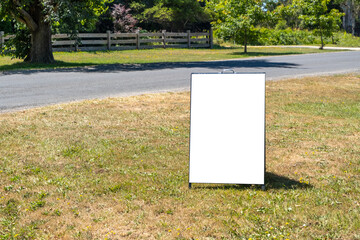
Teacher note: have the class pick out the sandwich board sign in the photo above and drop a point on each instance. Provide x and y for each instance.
(227, 128)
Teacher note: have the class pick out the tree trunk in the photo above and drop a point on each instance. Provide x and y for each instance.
(322, 41)
(41, 47)
(346, 6)
(245, 42)
(351, 9)
(353, 25)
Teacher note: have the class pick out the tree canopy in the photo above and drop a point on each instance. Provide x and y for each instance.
(316, 15)
(242, 21)
(176, 15)
(39, 15)
(237, 20)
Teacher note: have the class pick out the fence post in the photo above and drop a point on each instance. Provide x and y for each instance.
(211, 38)
(108, 32)
(164, 37)
(2, 40)
(76, 43)
(188, 38)
(137, 39)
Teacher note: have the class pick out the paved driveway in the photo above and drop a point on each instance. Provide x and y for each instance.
(25, 89)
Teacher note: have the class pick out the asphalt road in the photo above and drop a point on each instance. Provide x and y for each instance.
(26, 89)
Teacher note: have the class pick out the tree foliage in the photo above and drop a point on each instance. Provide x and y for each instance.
(290, 14)
(20, 45)
(237, 20)
(176, 15)
(316, 16)
(123, 20)
(7, 26)
(156, 15)
(78, 16)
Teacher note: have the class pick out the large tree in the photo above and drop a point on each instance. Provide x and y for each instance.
(39, 15)
(317, 16)
(237, 20)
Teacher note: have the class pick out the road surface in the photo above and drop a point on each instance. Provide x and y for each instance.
(32, 88)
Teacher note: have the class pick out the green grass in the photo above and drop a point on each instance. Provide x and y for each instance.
(82, 59)
(118, 168)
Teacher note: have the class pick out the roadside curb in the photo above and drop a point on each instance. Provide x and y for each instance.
(314, 47)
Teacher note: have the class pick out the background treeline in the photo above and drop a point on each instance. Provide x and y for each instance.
(150, 15)
(271, 22)
(156, 15)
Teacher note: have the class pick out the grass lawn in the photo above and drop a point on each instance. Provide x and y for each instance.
(81, 59)
(118, 168)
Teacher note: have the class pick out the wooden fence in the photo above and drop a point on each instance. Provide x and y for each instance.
(123, 41)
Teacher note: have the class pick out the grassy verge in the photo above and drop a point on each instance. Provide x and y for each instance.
(81, 59)
(118, 168)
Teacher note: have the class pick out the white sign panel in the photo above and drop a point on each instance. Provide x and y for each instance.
(227, 128)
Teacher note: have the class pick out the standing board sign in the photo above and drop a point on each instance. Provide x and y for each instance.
(227, 128)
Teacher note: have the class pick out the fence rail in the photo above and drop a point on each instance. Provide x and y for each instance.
(122, 41)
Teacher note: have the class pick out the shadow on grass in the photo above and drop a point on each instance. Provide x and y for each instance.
(59, 66)
(262, 54)
(217, 46)
(272, 181)
(20, 66)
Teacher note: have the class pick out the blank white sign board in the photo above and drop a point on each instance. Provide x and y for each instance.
(227, 128)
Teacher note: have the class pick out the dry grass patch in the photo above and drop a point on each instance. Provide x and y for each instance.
(118, 169)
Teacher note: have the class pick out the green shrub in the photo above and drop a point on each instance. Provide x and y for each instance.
(284, 37)
(20, 45)
(347, 39)
(288, 36)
